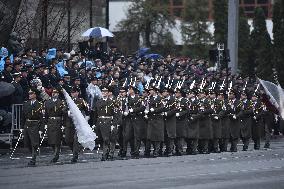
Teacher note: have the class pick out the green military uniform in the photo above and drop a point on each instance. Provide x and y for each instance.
(258, 123)
(54, 110)
(193, 127)
(155, 126)
(205, 128)
(245, 118)
(32, 115)
(225, 134)
(181, 123)
(170, 124)
(104, 113)
(216, 124)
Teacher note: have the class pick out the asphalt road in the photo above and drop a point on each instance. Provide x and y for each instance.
(261, 169)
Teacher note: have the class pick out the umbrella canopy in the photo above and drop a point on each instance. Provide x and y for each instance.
(6, 89)
(97, 32)
(153, 56)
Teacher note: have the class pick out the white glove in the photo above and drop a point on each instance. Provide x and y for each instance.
(191, 118)
(69, 114)
(87, 118)
(125, 113)
(118, 125)
(177, 114)
(112, 127)
(94, 126)
(254, 117)
(40, 133)
(162, 113)
(146, 111)
(45, 127)
(216, 117)
(165, 114)
(130, 110)
(152, 109)
(234, 117)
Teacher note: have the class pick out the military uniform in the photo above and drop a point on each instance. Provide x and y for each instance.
(205, 128)
(216, 106)
(245, 118)
(32, 115)
(155, 126)
(133, 127)
(54, 110)
(193, 127)
(181, 123)
(233, 108)
(170, 124)
(258, 123)
(104, 113)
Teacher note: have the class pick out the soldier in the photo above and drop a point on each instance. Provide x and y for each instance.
(118, 119)
(258, 122)
(215, 121)
(233, 108)
(54, 110)
(32, 115)
(169, 121)
(104, 114)
(205, 129)
(245, 117)
(155, 126)
(181, 120)
(193, 126)
(133, 124)
(224, 140)
(71, 138)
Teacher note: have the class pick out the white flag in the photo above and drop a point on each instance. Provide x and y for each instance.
(85, 134)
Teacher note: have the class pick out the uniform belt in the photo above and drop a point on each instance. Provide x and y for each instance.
(55, 117)
(106, 117)
(31, 120)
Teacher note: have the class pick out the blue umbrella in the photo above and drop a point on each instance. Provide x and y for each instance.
(142, 52)
(153, 56)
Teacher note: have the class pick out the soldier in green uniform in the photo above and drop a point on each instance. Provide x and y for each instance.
(155, 127)
(215, 121)
(245, 117)
(32, 115)
(54, 110)
(233, 109)
(224, 140)
(104, 114)
(169, 121)
(193, 126)
(71, 138)
(205, 128)
(181, 120)
(132, 126)
(258, 123)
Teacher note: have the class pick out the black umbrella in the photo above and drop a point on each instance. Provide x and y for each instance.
(6, 89)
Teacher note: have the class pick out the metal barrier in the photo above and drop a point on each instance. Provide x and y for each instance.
(15, 127)
(17, 117)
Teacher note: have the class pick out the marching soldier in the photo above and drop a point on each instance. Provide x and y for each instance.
(71, 138)
(32, 115)
(104, 113)
(169, 121)
(215, 122)
(54, 110)
(233, 122)
(257, 125)
(205, 129)
(245, 117)
(181, 120)
(224, 140)
(193, 126)
(133, 125)
(155, 126)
